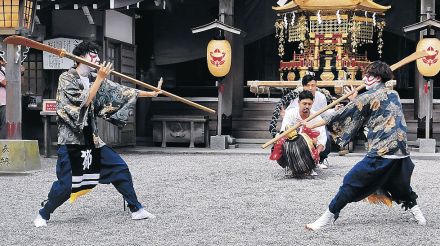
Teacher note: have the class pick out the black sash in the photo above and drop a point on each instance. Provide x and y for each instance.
(86, 165)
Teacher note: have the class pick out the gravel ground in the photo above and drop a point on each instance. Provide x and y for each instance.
(206, 199)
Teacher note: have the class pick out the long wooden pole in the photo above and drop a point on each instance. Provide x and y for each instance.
(414, 56)
(331, 105)
(18, 40)
(140, 83)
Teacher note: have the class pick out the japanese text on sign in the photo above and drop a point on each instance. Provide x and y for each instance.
(51, 61)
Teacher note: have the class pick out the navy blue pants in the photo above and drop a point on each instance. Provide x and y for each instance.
(113, 170)
(392, 176)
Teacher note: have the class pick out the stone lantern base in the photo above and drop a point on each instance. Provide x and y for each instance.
(17, 156)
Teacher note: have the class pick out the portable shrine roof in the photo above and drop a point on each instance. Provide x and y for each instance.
(314, 5)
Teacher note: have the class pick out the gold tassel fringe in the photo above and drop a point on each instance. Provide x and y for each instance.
(75, 195)
(379, 199)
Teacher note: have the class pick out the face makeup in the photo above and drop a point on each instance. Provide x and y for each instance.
(370, 81)
(85, 70)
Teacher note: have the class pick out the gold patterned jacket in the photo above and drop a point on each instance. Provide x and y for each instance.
(113, 102)
(379, 110)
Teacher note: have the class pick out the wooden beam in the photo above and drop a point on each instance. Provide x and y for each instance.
(255, 85)
(294, 84)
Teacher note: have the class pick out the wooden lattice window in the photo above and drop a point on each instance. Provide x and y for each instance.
(33, 79)
(9, 13)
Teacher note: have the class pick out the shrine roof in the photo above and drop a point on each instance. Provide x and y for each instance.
(313, 5)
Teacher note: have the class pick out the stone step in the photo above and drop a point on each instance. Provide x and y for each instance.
(409, 115)
(412, 126)
(252, 140)
(267, 108)
(411, 136)
(252, 124)
(233, 146)
(251, 134)
(247, 113)
(416, 143)
(264, 134)
(260, 105)
(249, 146)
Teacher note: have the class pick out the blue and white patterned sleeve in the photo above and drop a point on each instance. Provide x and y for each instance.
(115, 103)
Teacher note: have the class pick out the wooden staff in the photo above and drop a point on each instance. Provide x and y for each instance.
(414, 56)
(294, 84)
(19, 40)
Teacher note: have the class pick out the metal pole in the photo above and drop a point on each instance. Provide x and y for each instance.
(429, 97)
(219, 107)
(427, 115)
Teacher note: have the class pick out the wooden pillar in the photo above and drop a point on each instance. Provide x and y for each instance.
(13, 93)
(232, 101)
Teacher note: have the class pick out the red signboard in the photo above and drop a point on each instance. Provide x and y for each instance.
(49, 105)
